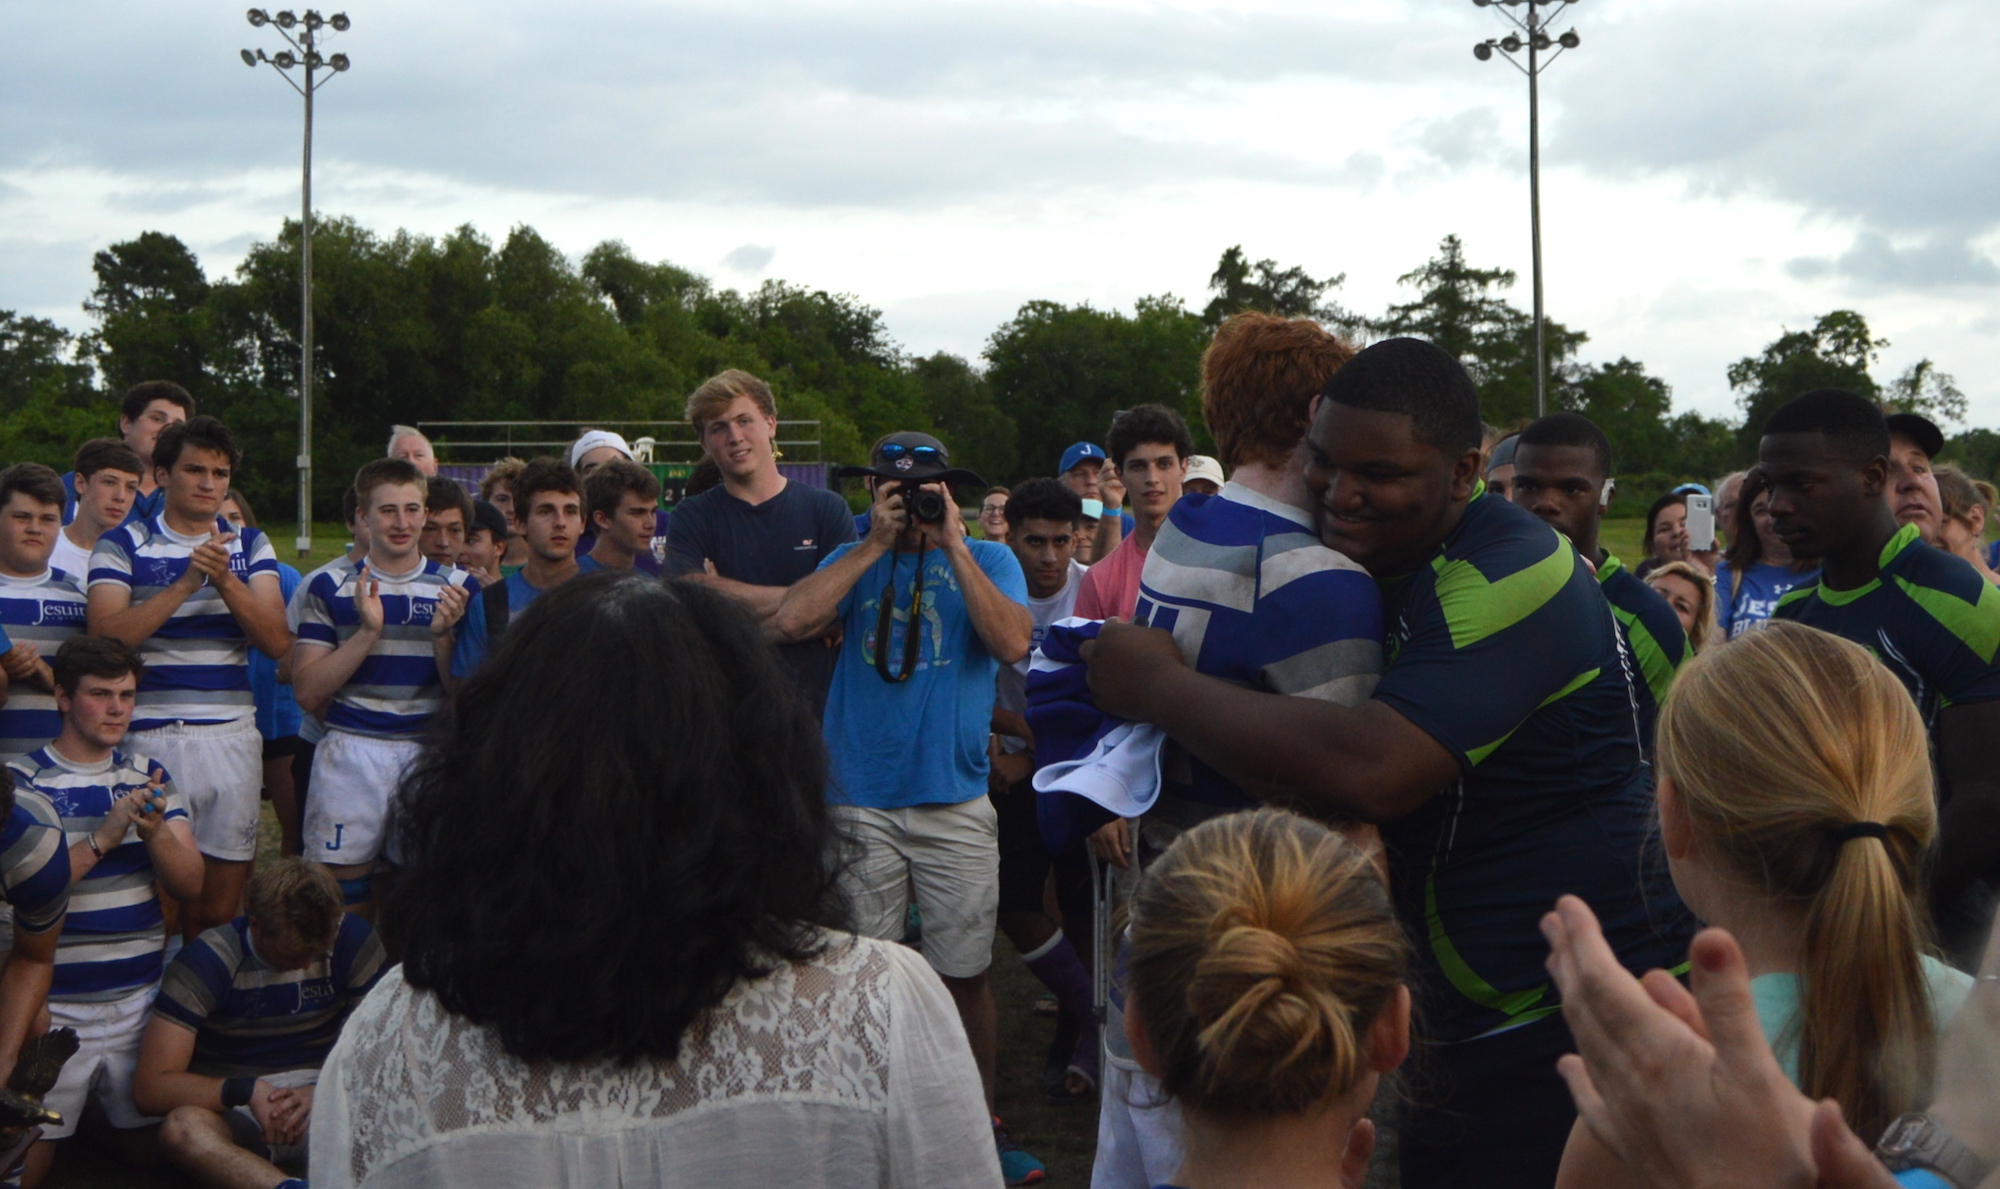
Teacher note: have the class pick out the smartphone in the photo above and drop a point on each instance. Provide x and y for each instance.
(1700, 522)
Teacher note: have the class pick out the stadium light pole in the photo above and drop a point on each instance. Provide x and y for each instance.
(311, 30)
(1533, 37)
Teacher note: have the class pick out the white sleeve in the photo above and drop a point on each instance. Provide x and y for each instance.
(940, 1136)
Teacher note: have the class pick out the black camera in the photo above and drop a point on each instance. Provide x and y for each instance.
(926, 507)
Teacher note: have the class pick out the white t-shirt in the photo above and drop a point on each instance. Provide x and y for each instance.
(71, 559)
(1011, 692)
(851, 1069)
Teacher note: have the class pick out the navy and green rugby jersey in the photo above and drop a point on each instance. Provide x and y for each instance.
(1505, 651)
(1654, 638)
(1929, 616)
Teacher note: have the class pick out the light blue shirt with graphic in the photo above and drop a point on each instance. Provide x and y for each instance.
(893, 744)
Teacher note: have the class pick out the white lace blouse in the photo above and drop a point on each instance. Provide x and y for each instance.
(849, 1070)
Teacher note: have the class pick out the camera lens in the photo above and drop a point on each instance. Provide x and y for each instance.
(928, 507)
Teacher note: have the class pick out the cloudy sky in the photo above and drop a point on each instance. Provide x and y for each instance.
(1712, 171)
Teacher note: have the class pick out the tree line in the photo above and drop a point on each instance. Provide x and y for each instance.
(419, 328)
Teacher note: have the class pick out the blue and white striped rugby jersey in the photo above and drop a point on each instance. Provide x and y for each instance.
(113, 941)
(198, 663)
(44, 612)
(1252, 597)
(396, 691)
(34, 862)
(251, 1019)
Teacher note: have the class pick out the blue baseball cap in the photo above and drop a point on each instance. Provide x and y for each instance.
(1079, 453)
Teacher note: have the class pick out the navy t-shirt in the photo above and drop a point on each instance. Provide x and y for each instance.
(1505, 650)
(774, 543)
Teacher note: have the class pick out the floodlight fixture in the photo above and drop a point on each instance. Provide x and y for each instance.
(338, 62)
(258, 17)
(340, 22)
(249, 59)
(1531, 33)
(313, 19)
(287, 19)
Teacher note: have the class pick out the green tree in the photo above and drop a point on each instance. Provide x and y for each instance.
(959, 406)
(1835, 353)
(48, 398)
(1061, 371)
(1239, 285)
(1922, 388)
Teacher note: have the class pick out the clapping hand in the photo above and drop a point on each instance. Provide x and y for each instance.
(22, 662)
(149, 806)
(368, 600)
(210, 560)
(451, 604)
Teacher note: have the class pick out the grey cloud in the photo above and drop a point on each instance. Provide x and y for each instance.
(1821, 104)
(1875, 260)
(789, 102)
(1469, 138)
(750, 259)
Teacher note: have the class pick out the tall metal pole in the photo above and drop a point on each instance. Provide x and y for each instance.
(1536, 41)
(1534, 196)
(306, 45)
(306, 314)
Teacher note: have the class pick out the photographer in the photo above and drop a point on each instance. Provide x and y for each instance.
(928, 617)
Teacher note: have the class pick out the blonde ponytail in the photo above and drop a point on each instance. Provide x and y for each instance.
(1263, 947)
(1805, 769)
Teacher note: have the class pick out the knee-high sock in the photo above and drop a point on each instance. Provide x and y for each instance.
(1061, 971)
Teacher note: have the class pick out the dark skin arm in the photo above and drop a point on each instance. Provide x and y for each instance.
(1362, 762)
(1969, 827)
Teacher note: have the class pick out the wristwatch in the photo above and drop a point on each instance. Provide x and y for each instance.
(1917, 1141)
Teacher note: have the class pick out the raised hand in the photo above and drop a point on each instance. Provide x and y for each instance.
(368, 600)
(149, 807)
(451, 604)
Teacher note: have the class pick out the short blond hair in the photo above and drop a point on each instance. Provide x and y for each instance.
(296, 904)
(720, 391)
(1704, 611)
(503, 472)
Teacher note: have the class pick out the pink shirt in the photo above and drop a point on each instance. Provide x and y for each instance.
(1111, 587)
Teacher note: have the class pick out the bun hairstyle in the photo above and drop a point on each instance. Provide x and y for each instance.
(1776, 742)
(1263, 946)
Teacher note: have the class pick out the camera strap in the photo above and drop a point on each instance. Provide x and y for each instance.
(913, 630)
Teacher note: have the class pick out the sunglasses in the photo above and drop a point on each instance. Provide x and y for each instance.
(892, 451)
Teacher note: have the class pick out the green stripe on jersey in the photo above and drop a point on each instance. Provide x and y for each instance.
(1976, 624)
(1653, 663)
(1475, 608)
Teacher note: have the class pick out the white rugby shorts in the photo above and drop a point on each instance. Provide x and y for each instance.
(353, 778)
(106, 1056)
(218, 770)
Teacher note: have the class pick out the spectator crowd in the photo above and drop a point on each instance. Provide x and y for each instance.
(1338, 787)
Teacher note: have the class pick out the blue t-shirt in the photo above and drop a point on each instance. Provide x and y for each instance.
(42, 611)
(1655, 642)
(921, 741)
(1253, 598)
(1777, 1000)
(470, 650)
(145, 505)
(1504, 649)
(1755, 594)
(250, 1019)
(278, 713)
(774, 543)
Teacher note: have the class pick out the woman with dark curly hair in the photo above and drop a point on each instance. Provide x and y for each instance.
(622, 946)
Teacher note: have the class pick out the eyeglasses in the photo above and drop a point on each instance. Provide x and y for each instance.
(891, 451)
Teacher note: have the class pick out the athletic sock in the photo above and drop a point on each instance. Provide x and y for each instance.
(1061, 971)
